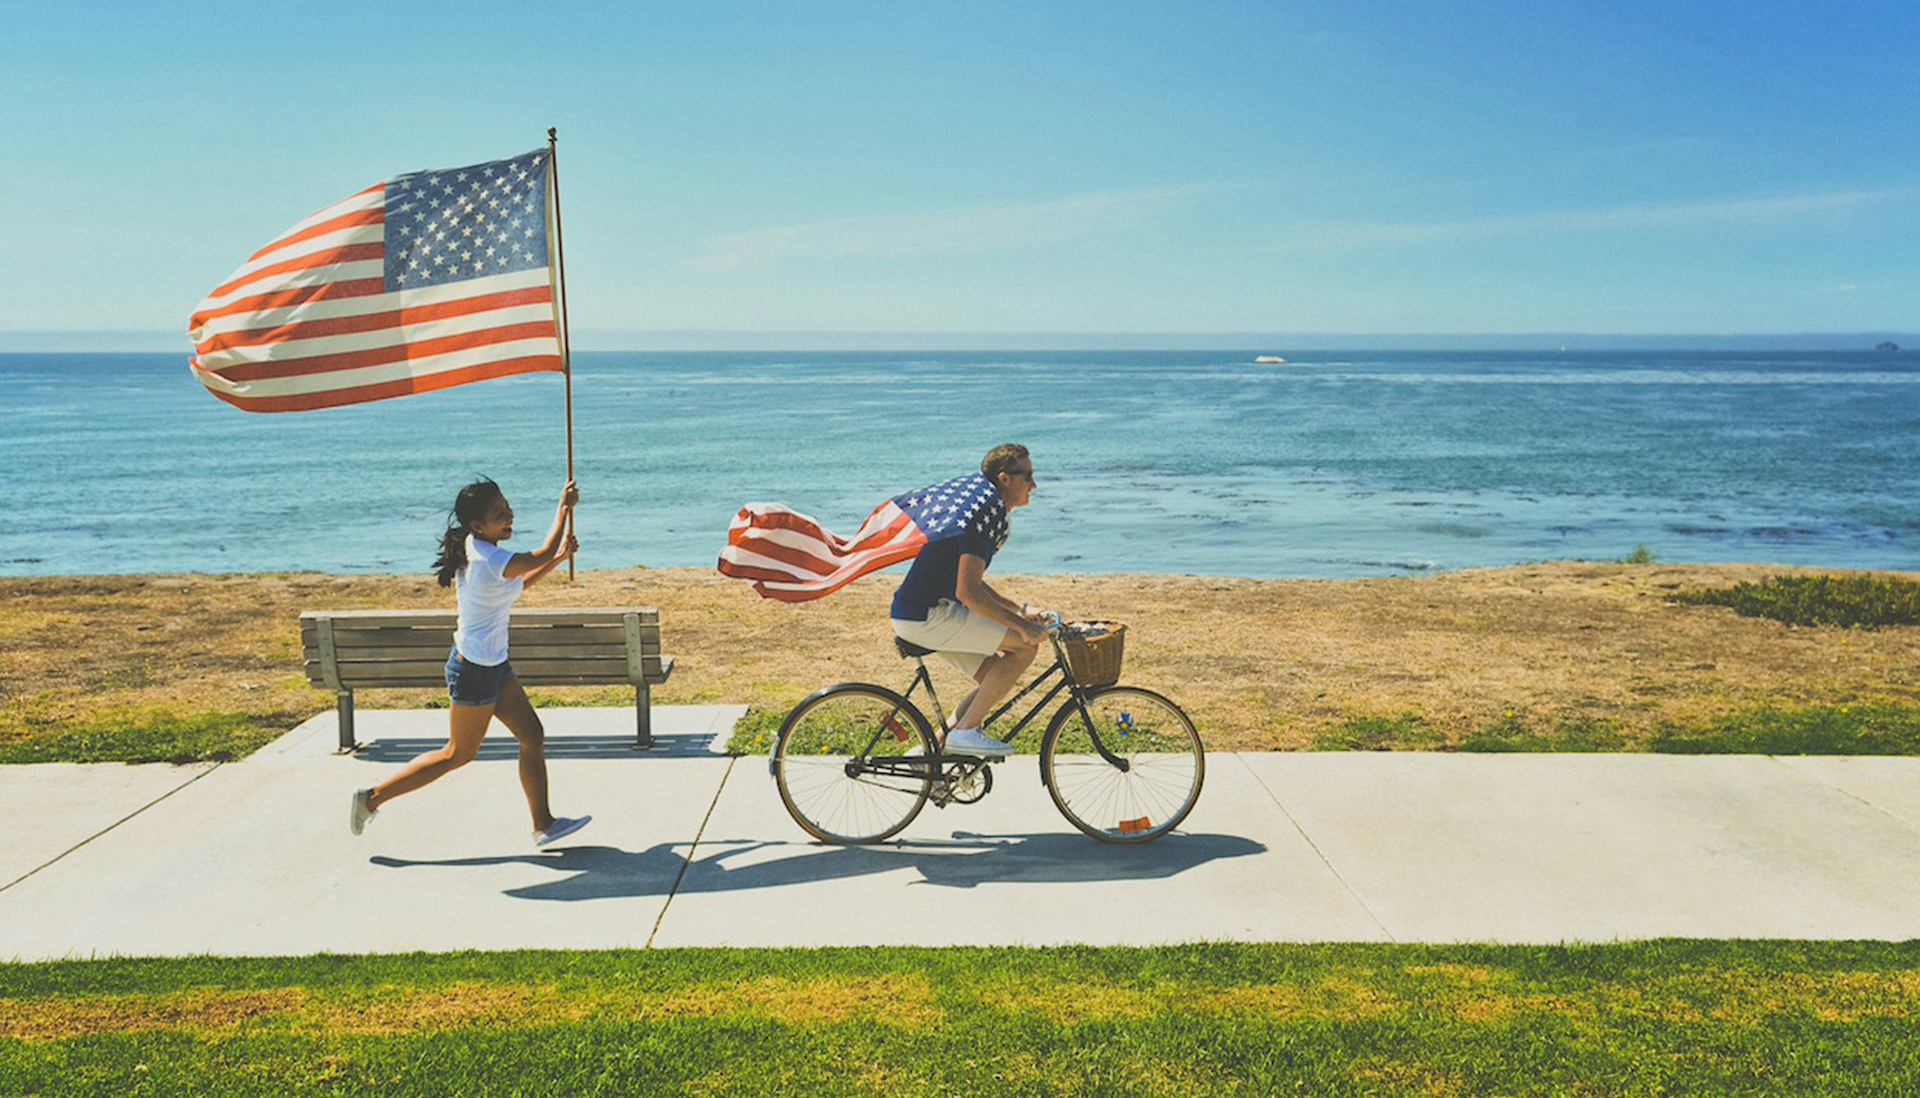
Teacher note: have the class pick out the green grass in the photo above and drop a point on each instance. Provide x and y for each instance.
(1863, 602)
(1813, 730)
(1640, 555)
(1884, 729)
(1661, 1018)
(155, 737)
(1515, 732)
(753, 733)
(1407, 731)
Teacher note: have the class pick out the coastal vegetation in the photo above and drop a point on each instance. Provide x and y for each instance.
(1664, 1017)
(1855, 601)
(1558, 656)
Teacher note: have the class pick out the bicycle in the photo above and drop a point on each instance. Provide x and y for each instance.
(1122, 763)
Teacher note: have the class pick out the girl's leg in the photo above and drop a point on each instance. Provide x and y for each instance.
(466, 726)
(517, 713)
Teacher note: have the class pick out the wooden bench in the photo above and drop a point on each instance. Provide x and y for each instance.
(348, 649)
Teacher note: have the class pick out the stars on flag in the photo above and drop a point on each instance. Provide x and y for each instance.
(436, 220)
(967, 504)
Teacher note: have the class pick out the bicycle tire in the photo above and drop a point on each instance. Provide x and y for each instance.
(1166, 765)
(819, 755)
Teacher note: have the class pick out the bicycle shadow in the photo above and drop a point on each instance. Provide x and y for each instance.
(605, 872)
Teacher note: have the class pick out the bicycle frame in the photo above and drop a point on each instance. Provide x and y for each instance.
(1076, 694)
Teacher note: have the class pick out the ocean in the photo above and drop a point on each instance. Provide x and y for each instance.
(1332, 464)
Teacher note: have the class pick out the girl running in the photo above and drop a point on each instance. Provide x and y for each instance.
(486, 579)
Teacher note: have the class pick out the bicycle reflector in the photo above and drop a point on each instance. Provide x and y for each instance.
(893, 725)
(1134, 827)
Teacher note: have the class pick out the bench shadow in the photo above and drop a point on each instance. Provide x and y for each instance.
(606, 872)
(499, 746)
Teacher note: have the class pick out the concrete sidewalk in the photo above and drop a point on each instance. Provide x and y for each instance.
(691, 847)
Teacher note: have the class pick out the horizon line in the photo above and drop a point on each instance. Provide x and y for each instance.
(640, 340)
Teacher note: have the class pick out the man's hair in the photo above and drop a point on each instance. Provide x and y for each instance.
(1001, 458)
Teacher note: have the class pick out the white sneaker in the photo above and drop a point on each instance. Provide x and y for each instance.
(560, 828)
(972, 741)
(918, 750)
(358, 813)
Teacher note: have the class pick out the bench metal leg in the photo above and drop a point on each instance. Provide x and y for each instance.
(347, 745)
(643, 716)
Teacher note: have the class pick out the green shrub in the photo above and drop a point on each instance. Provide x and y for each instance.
(1863, 602)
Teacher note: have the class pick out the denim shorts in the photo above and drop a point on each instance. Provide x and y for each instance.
(472, 683)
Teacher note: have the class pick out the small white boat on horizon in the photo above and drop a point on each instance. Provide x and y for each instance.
(1268, 360)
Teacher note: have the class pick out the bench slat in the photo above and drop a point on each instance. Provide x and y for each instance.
(592, 615)
(349, 656)
(518, 636)
(433, 672)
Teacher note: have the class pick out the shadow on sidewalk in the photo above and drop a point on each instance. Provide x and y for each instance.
(603, 872)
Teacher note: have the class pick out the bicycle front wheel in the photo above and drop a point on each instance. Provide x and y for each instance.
(1126, 769)
(840, 763)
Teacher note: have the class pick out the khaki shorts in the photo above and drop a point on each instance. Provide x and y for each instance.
(965, 638)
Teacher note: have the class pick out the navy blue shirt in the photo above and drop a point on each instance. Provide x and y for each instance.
(936, 572)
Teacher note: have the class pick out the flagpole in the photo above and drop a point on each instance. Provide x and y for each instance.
(566, 344)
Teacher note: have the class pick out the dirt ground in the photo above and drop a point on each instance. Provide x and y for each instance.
(1261, 664)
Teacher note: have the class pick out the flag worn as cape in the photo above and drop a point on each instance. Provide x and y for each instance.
(422, 281)
(791, 557)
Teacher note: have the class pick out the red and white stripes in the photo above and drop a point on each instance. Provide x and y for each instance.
(306, 321)
(791, 557)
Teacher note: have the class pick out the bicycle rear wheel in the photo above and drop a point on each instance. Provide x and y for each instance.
(839, 763)
(1151, 781)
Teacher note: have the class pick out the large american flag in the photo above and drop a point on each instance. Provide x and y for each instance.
(791, 557)
(419, 282)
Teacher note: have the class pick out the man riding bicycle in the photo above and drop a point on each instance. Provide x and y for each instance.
(946, 604)
(1122, 763)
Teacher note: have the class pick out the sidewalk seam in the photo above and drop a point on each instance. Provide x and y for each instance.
(111, 826)
(1847, 793)
(692, 849)
(1318, 853)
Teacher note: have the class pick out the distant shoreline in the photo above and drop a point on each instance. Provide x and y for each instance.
(634, 341)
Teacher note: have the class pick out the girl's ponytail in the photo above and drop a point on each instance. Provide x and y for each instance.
(453, 554)
(469, 506)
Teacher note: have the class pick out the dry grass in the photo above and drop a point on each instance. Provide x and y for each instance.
(201, 1010)
(910, 1001)
(1261, 664)
(894, 999)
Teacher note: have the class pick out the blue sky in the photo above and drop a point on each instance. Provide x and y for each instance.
(1628, 167)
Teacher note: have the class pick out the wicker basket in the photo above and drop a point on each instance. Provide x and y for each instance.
(1093, 651)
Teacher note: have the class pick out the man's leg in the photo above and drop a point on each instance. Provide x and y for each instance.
(997, 676)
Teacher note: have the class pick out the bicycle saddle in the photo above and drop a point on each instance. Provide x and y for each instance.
(908, 649)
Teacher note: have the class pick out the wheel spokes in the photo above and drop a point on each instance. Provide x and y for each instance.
(821, 764)
(1160, 775)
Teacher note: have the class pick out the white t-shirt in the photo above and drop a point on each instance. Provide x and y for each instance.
(484, 596)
